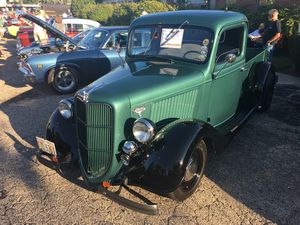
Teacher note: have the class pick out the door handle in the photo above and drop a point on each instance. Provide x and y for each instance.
(243, 69)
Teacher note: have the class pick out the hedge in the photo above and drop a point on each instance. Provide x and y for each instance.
(116, 14)
(289, 17)
(294, 50)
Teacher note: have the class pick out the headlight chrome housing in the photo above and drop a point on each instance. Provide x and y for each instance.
(143, 130)
(65, 108)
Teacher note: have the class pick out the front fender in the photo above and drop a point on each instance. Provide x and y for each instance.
(164, 167)
(62, 132)
(40, 64)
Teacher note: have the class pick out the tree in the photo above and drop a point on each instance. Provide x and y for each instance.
(78, 5)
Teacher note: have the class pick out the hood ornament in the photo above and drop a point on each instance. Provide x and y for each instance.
(85, 96)
(139, 110)
(87, 92)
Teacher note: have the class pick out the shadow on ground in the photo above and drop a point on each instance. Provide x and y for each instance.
(261, 167)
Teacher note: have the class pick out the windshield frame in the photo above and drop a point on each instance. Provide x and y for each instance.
(170, 57)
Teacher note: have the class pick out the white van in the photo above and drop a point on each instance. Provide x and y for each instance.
(74, 26)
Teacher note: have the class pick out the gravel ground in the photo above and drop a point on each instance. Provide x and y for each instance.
(254, 181)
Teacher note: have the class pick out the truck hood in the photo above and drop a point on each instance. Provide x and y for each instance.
(51, 29)
(143, 81)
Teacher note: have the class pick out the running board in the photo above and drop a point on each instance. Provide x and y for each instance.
(236, 121)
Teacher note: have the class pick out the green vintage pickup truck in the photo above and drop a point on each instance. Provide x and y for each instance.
(189, 81)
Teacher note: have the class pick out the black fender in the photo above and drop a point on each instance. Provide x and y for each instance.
(62, 132)
(262, 74)
(163, 168)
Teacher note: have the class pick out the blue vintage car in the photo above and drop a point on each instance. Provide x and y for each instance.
(54, 44)
(102, 50)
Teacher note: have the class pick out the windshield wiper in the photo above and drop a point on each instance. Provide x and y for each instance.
(150, 42)
(169, 36)
(82, 46)
(174, 31)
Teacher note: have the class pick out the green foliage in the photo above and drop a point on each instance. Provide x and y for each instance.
(124, 13)
(152, 6)
(116, 14)
(294, 50)
(30, 1)
(100, 12)
(289, 17)
(77, 7)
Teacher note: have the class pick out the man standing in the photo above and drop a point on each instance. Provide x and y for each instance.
(40, 35)
(272, 32)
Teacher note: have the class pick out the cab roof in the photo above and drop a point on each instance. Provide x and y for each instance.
(213, 19)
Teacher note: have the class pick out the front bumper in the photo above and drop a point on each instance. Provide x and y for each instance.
(61, 164)
(29, 76)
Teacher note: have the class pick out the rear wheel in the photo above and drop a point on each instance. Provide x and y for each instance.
(267, 94)
(63, 80)
(193, 172)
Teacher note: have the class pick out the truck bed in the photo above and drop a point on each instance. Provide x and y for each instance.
(255, 53)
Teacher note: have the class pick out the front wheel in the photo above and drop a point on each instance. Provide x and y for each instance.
(63, 80)
(193, 172)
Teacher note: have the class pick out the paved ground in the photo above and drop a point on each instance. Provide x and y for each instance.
(255, 180)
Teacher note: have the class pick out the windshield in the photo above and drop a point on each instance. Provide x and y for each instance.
(183, 42)
(94, 39)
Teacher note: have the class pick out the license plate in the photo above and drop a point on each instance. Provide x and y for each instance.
(46, 146)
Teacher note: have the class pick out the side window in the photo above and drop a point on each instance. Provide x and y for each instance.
(118, 38)
(78, 27)
(230, 40)
(68, 27)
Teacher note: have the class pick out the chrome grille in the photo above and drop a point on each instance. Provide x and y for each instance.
(94, 122)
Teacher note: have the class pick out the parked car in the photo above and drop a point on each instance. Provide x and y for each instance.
(80, 64)
(189, 82)
(73, 27)
(54, 44)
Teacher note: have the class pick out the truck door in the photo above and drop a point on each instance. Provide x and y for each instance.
(228, 78)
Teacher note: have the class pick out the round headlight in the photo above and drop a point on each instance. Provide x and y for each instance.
(65, 108)
(143, 130)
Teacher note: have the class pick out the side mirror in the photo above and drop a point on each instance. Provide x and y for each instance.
(230, 58)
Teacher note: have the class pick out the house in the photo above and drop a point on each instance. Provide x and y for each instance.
(251, 4)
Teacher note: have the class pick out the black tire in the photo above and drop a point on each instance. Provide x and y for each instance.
(63, 80)
(193, 173)
(267, 93)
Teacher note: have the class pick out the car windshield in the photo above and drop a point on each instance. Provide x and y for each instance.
(179, 42)
(80, 36)
(94, 39)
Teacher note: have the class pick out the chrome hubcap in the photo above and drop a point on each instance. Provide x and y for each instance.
(191, 169)
(64, 80)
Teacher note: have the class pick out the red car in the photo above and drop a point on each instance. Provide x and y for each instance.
(73, 27)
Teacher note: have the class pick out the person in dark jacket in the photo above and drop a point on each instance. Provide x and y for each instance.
(272, 32)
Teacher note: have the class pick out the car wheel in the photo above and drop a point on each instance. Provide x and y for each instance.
(267, 93)
(63, 80)
(193, 172)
